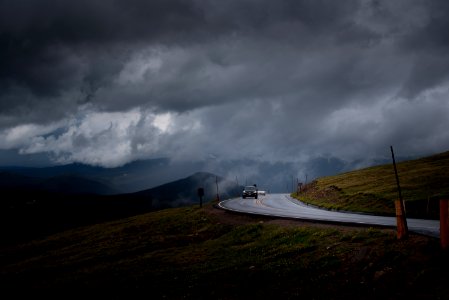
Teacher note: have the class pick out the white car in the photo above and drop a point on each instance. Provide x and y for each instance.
(262, 193)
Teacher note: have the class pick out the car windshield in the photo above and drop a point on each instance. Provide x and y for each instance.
(250, 188)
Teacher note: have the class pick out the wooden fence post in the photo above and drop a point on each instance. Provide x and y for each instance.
(401, 222)
(399, 205)
(444, 224)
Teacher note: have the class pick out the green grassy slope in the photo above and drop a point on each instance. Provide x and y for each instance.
(190, 253)
(423, 182)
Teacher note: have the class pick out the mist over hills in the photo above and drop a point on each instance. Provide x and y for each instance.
(145, 174)
(131, 177)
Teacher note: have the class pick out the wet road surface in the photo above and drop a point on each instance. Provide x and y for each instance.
(282, 205)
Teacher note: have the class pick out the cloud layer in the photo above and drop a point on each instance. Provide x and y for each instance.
(109, 82)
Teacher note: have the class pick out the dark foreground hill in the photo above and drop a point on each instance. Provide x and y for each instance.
(193, 253)
(34, 207)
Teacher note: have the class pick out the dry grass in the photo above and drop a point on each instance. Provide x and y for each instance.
(373, 190)
(193, 253)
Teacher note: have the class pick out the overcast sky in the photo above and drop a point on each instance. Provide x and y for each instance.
(109, 82)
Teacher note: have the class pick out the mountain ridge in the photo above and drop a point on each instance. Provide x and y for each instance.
(184, 191)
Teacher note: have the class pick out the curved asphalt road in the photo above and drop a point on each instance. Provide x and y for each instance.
(282, 205)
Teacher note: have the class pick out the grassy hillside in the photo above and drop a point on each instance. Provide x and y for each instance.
(194, 253)
(423, 182)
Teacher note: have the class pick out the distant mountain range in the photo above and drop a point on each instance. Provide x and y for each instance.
(145, 174)
(139, 176)
(131, 177)
(62, 184)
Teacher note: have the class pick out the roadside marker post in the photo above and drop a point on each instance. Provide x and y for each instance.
(444, 224)
(401, 222)
(399, 205)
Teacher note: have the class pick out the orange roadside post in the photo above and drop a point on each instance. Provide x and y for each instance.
(401, 222)
(399, 205)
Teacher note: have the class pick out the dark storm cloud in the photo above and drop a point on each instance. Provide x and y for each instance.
(147, 78)
(48, 48)
(426, 44)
